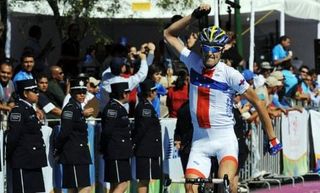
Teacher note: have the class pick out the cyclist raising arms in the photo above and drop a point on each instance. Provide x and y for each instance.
(212, 87)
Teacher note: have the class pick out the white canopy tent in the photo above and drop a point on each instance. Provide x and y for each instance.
(306, 9)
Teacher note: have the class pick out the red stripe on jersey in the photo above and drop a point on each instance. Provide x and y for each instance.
(203, 107)
(207, 73)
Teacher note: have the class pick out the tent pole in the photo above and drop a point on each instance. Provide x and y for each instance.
(238, 28)
(282, 19)
(318, 34)
(252, 21)
(8, 35)
(216, 12)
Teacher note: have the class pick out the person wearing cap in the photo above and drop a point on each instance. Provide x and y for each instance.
(147, 137)
(116, 142)
(248, 76)
(212, 86)
(116, 73)
(87, 112)
(26, 151)
(71, 145)
(266, 92)
(278, 99)
(93, 86)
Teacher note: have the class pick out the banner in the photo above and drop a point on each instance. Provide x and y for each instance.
(295, 143)
(48, 170)
(172, 166)
(1, 162)
(171, 161)
(315, 131)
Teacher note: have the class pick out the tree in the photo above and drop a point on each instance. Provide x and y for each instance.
(80, 11)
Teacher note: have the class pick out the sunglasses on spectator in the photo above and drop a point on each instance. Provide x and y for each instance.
(303, 71)
(212, 49)
(34, 90)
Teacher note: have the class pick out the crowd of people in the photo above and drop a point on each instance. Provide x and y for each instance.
(206, 94)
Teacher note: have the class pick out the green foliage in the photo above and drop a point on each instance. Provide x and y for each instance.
(175, 5)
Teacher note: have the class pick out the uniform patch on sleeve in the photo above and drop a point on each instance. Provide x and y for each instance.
(67, 115)
(112, 113)
(146, 113)
(15, 117)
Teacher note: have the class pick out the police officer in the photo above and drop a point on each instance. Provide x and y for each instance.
(71, 147)
(116, 142)
(147, 137)
(26, 151)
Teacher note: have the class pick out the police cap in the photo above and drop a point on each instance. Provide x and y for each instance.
(28, 84)
(120, 87)
(78, 84)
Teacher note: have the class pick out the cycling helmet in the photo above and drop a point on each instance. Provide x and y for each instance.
(213, 36)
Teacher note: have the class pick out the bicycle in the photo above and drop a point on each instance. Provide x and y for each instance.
(202, 182)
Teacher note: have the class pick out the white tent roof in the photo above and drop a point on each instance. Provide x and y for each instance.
(306, 9)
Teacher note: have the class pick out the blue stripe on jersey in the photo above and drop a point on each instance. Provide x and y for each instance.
(201, 81)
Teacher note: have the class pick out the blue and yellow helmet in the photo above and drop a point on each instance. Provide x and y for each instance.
(213, 36)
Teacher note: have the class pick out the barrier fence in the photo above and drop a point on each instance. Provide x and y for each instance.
(299, 138)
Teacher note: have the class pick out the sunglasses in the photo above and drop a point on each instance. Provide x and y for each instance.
(212, 49)
(34, 90)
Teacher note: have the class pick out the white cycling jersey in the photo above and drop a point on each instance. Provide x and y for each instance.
(212, 91)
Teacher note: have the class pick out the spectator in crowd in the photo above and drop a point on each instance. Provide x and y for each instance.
(248, 76)
(154, 74)
(70, 51)
(178, 94)
(27, 64)
(40, 54)
(183, 133)
(314, 77)
(116, 144)
(314, 91)
(303, 73)
(26, 150)
(71, 146)
(147, 137)
(240, 131)
(281, 52)
(43, 102)
(6, 89)
(210, 85)
(93, 86)
(290, 80)
(278, 99)
(265, 94)
(231, 54)
(169, 55)
(56, 86)
(115, 74)
(264, 72)
(90, 64)
(303, 90)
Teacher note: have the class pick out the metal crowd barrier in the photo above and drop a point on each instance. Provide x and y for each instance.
(257, 159)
